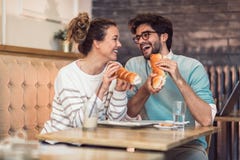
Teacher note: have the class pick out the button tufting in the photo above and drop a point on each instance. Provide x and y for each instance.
(37, 85)
(10, 84)
(49, 85)
(23, 85)
(37, 128)
(37, 107)
(11, 131)
(49, 106)
(25, 127)
(10, 108)
(23, 107)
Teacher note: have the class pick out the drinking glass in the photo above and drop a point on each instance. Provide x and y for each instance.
(90, 118)
(178, 113)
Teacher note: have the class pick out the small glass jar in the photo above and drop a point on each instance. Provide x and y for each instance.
(90, 117)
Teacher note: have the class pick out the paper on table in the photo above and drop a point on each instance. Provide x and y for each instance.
(136, 123)
(125, 124)
(170, 121)
(169, 124)
(165, 127)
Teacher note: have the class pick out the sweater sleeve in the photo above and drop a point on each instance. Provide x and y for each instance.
(71, 102)
(117, 105)
(117, 109)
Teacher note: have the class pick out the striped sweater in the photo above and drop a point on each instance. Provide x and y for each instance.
(74, 90)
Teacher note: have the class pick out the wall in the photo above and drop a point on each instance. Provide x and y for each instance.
(202, 29)
(33, 32)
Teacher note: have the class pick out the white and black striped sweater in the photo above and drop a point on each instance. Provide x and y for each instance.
(74, 89)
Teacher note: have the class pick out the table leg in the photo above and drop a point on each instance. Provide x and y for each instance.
(224, 141)
(229, 140)
(235, 143)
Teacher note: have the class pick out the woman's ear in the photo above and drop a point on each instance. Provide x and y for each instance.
(96, 43)
(164, 37)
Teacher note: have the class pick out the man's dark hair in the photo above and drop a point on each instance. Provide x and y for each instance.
(158, 23)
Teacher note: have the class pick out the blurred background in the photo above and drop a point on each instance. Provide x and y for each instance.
(208, 30)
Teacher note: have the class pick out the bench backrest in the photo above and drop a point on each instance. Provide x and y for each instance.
(26, 88)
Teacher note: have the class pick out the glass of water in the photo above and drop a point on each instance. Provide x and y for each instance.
(178, 113)
(90, 117)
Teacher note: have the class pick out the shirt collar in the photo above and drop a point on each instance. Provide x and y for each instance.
(169, 55)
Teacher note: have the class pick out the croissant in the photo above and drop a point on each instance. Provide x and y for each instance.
(130, 77)
(160, 78)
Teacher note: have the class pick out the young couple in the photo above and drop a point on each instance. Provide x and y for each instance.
(93, 79)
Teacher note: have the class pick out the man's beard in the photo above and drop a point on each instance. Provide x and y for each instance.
(156, 48)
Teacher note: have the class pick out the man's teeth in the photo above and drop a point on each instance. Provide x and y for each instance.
(116, 51)
(146, 47)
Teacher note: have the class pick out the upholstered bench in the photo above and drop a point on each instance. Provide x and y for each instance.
(26, 87)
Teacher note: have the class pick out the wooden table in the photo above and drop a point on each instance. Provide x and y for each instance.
(141, 138)
(60, 152)
(228, 138)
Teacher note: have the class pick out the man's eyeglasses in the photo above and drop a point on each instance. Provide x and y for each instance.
(144, 35)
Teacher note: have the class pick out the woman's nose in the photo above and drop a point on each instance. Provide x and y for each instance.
(119, 44)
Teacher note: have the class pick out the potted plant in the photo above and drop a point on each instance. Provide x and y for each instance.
(61, 37)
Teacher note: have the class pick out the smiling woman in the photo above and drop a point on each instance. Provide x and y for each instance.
(89, 83)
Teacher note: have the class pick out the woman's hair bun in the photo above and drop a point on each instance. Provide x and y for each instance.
(78, 28)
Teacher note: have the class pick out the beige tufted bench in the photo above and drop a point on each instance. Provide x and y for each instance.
(26, 87)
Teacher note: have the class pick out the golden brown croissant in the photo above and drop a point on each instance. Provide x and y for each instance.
(130, 77)
(160, 78)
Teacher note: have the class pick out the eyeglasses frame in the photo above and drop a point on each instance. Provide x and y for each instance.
(137, 37)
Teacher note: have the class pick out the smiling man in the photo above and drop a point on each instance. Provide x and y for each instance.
(186, 80)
